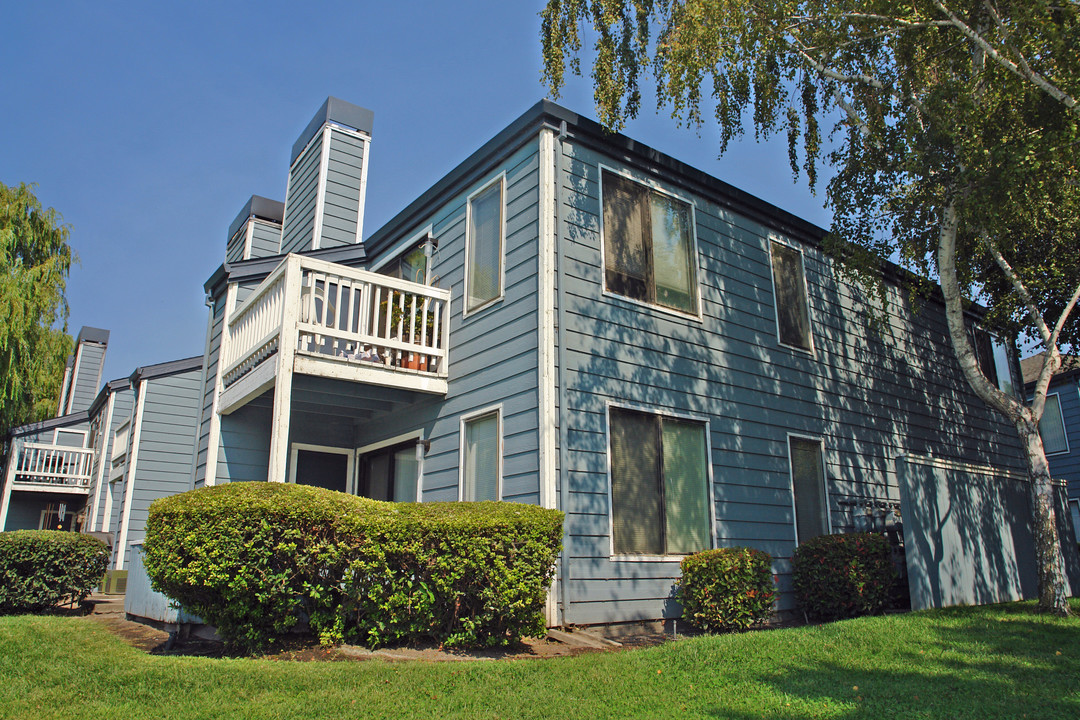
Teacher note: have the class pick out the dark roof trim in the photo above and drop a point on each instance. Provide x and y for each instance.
(337, 111)
(62, 421)
(92, 334)
(259, 268)
(173, 367)
(258, 207)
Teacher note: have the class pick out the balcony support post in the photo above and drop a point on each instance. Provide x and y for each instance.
(9, 478)
(279, 422)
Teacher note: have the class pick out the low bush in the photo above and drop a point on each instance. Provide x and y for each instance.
(254, 559)
(726, 588)
(842, 576)
(40, 569)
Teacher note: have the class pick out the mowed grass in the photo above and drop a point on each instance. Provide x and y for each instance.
(993, 662)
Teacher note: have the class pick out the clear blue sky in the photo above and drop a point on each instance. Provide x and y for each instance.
(148, 127)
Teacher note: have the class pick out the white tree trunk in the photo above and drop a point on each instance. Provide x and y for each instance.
(1051, 565)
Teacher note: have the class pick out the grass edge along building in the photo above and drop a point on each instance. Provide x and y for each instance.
(573, 319)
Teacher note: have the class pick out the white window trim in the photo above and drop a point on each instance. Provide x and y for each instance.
(475, 415)
(395, 252)
(812, 351)
(656, 187)
(1064, 427)
(80, 433)
(704, 421)
(418, 436)
(350, 466)
(824, 483)
(499, 179)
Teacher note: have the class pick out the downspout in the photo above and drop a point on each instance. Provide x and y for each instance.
(564, 475)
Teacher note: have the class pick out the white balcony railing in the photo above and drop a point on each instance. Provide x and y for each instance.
(41, 464)
(337, 312)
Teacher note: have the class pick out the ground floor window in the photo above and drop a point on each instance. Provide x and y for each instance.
(481, 453)
(58, 516)
(325, 467)
(808, 488)
(390, 473)
(659, 484)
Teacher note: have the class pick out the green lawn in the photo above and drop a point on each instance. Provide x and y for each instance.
(996, 662)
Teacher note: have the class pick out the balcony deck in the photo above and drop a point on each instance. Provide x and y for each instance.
(331, 321)
(52, 468)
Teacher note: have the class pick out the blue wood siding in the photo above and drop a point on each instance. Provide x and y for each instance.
(1066, 466)
(234, 249)
(122, 402)
(206, 409)
(493, 352)
(341, 203)
(265, 238)
(244, 449)
(88, 374)
(300, 199)
(868, 397)
(168, 426)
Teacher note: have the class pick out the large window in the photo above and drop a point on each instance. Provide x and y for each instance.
(483, 270)
(789, 290)
(481, 474)
(648, 245)
(993, 358)
(659, 484)
(808, 487)
(1052, 426)
(411, 265)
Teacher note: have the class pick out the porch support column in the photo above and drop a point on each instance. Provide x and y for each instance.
(9, 478)
(279, 422)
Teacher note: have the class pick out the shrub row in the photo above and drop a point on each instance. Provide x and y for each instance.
(842, 576)
(40, 569)
(726, 588)
(254, 559)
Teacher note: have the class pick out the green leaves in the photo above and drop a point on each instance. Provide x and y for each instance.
(40, 569)
(727, 588)
(842, 576)
(34, 264)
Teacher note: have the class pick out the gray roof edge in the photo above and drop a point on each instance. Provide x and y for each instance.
(256, 268)
(172, 367)
(109, 387)
(62, 421)
(337, 111)
(92, 334)
(260, 207)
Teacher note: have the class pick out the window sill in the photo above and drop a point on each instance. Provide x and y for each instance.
(649, 558)
(698, 318)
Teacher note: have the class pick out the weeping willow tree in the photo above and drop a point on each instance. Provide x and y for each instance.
(951, 128)
(34, 263)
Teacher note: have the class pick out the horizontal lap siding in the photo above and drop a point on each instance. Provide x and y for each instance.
(1066, 466)
(234, 249)
(122, 403)
(244, 449)
(870, 397)
(265, 239)
(341, 203)
(493, 353)
(210, 385)
(91, 358)
(168, 427)
(300, 199)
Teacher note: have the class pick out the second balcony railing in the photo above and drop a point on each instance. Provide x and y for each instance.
(333, 311)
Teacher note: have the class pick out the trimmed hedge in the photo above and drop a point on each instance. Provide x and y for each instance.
(843, 576)
(254, 559)
(726, 588)
(40, 569)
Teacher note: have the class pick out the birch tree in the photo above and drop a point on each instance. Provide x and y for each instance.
(34, 263)
(952, 129)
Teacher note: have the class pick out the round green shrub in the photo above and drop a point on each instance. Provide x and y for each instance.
(727, 588)
(254, 559)
(843, 576)
(40, 569)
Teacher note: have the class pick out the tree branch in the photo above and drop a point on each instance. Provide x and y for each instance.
(1019, 288)
(1024, 72)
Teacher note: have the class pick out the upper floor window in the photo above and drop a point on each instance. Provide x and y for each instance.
(1052, 426)
(659, 484)
(411, 265)
(484, 247)
(993, 358)
(789, 290)
(648, 245)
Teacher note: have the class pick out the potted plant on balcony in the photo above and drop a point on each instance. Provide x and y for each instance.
(402, 321)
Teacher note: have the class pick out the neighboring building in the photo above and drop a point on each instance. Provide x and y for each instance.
(98, 467)
(573, 319)
(1060, 424)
